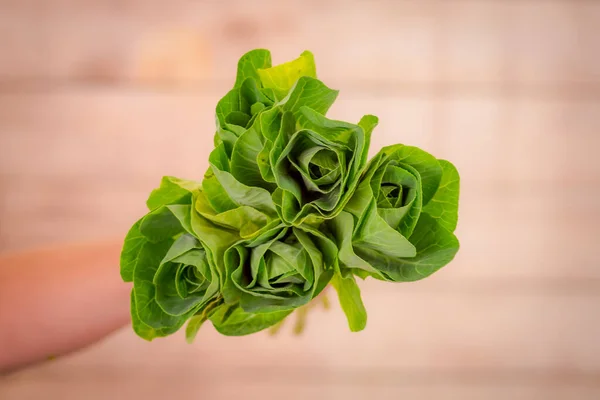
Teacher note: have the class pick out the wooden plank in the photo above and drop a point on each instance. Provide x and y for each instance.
(551, 41)
(194, 41)
(130, 126)
(414, 341)
(428, 344)
(129, 129)
(530, 42)
(526, 43)
(522, 143)
(408, 329)
(135, 385)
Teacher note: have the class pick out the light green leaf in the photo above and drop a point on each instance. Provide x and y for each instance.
(172, 190)
(212, 188)
(351, 301)
(342, 228)
(225, 192)
(245, 220)
(244, 195)
(196, 322)
(193, 326)
(368, 124)
(215, 239)
(282, 77)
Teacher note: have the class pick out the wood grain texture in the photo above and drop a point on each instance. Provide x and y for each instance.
(411, 327)
(525, 43)
(134, 387)
(467, 345)
(107, 149)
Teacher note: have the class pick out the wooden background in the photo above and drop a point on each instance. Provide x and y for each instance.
(99, 99)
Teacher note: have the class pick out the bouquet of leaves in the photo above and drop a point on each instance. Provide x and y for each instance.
(289, 205)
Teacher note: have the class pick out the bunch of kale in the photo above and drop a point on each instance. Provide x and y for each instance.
(289, 205)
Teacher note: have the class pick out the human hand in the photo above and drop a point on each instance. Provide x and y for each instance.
(57, 300)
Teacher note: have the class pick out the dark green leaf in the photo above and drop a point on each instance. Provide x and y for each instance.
(148, 311)
(185, 265)
(426, 165)
(435, 247)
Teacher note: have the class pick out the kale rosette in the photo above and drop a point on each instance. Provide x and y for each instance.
(174, 274)
(282, 271)
(272, 134)
(399, 224)
(289, 205)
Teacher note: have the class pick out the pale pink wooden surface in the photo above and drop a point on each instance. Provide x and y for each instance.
(98, 100)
